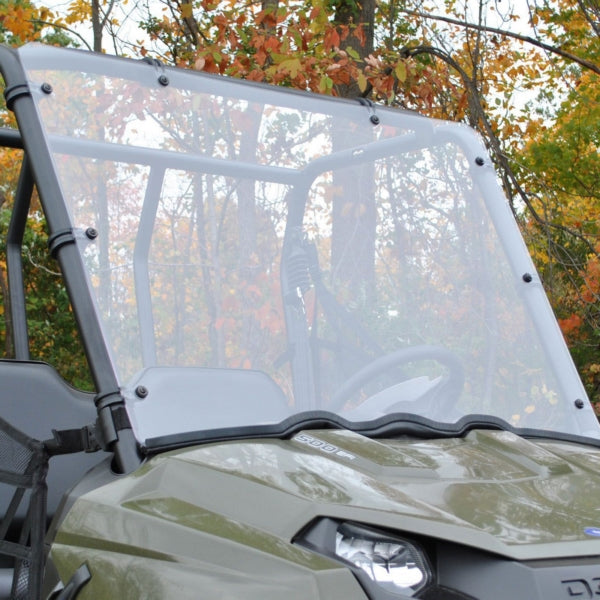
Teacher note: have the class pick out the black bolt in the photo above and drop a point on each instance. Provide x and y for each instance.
(163, 80)
(579, 403)
(479, 161)
(374, 119)
(527, 277)
(141, 391)
(91, 233)
(46, 88)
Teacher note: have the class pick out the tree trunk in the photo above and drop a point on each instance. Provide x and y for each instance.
(96, 26)
(353, 14)
(354, 218)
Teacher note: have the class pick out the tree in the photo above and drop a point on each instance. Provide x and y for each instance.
(560, 166)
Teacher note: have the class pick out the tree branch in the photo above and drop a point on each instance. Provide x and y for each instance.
(64, 28)
(502, 32)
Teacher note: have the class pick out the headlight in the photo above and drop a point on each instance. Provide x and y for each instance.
(379, 559)
(392, 562)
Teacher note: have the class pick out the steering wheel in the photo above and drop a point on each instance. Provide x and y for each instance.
(453, 384)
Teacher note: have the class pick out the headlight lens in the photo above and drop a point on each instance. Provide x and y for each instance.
(387, 565)
(389, 561)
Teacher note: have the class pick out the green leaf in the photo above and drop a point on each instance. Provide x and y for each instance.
(352, 53)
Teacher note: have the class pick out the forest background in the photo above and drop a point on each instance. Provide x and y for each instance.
(525, 75)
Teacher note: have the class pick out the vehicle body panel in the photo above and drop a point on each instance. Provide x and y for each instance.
(239, 505)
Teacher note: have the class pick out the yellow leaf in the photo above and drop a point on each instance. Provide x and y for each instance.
(186, 10)
(400, 71)
(362, 82)
(291, 65)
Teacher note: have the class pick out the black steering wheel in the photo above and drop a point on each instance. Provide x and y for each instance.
(453, 384)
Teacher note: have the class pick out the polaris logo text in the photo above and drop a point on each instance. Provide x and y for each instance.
(582, 588)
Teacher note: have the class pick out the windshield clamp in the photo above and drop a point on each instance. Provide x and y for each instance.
(369, 104)
(159, 67)
(59, 239)
(112, 417)
(14, 92)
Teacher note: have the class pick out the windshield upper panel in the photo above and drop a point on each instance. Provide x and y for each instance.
(262, 253)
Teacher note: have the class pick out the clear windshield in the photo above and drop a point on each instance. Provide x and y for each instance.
(256, 253)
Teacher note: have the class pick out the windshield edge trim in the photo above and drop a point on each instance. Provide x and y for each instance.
(388, 426)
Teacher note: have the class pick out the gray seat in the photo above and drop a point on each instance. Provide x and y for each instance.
(35, 400)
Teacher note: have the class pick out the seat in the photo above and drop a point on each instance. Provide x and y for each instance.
(34, 400)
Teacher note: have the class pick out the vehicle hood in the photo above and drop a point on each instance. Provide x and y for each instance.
(490, 490)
